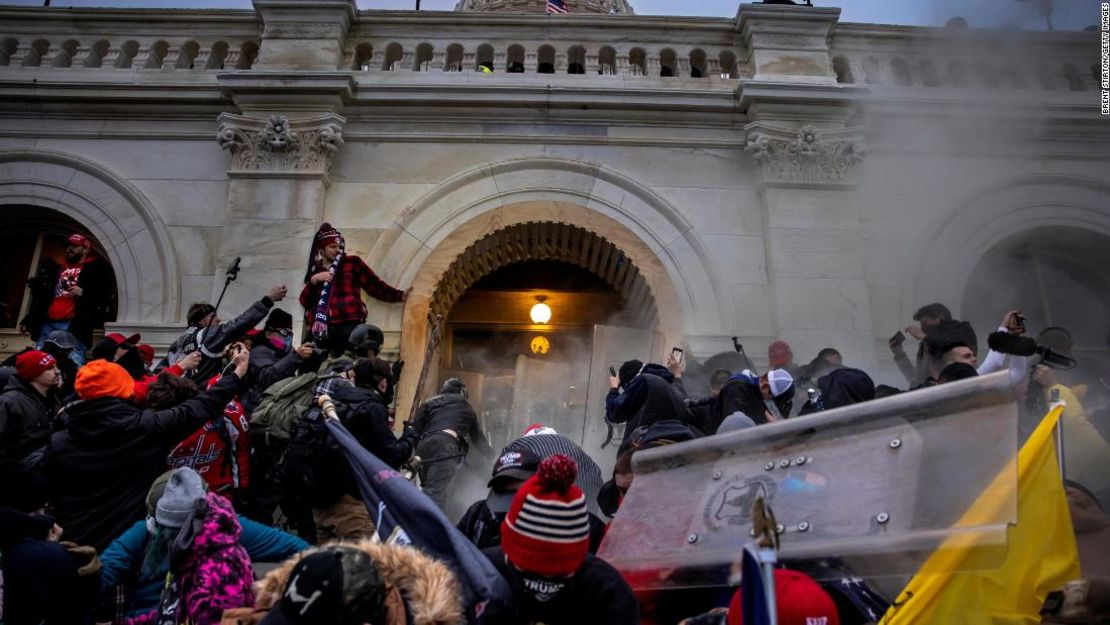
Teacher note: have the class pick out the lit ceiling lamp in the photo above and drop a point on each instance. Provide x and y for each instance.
(541, 312)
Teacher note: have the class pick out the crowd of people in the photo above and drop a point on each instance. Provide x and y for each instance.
(206, 487)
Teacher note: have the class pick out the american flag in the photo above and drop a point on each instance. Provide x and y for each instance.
(557, 6)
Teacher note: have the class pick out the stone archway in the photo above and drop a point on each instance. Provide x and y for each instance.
(428, 236)
(115, 212)
(947, 253)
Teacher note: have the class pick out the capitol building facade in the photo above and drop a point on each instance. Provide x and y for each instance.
(659, 181)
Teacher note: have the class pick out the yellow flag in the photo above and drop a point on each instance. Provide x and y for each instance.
(1041, 554)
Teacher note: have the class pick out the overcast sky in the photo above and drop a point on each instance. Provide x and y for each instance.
(1067, 14)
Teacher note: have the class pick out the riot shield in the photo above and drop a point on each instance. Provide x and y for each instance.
(876, 487)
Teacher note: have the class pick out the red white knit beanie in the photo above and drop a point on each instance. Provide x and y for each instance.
(547, 529)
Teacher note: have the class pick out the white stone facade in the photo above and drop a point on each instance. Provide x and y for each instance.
(793, 177)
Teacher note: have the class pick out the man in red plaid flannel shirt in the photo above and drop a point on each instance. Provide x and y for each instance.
(345, 308)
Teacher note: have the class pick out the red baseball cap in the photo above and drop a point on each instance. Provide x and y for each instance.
(779, 354)
(147, 352)
(801, 601)
(78, 239)
(120, 339)
(31, 364)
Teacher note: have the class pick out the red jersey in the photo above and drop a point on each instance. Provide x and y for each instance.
(64, 305)
(219, 451)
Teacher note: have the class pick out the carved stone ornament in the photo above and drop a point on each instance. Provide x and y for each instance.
(805, 157)
(280, 145)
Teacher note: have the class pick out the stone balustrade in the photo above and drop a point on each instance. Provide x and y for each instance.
(138, 53)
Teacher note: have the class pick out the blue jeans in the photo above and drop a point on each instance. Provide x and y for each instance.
(76, 355)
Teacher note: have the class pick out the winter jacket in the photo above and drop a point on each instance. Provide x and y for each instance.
(448, 411)
(100, 467)
(844, 387)
(214, 574)
(94, 306)
(936, 339)
(650, 397)
(362, 411)
(483, 528)
(740, 394)
(345, 301)
(122, 561)
(25, 418)
(596, 593)
(220, 451)
(212, 341)
(267, 366)
(416, 584)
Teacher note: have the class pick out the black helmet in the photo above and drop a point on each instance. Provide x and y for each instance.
(366, 337)
(62, 339)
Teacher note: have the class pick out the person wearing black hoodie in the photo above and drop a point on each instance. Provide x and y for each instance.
(936, 331)
(100, 467)
(339, 511)
(650, 395)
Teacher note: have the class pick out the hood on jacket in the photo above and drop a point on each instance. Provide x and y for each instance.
(658, 370)
(16, 385)
(844, 387)
(355, 395)
(103, 420)
(430, 591)
(220, 528)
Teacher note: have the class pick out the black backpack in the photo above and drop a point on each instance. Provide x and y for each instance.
(301, 469)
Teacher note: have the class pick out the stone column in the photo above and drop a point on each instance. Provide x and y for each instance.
(806, 150)
(282, 143)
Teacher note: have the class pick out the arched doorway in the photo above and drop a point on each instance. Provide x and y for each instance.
(524, 369)
(1060, 276)
(33, 237)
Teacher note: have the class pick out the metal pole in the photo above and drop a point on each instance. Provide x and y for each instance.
(767, 560)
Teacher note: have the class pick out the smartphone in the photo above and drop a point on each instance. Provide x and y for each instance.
(897, 339)
(676, 353)
(1019, 320)
(612, 372)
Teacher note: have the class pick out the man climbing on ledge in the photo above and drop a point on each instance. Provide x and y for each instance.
(331, 296)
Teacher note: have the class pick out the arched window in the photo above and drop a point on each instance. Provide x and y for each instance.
(38, 50)
(957, 74)
(546, 59)
(515, 59)
(8, 46)
(248, 52)
(843, 70)
(454, 58)
(576, 60)
(900, 70)
(66, 54)
(728, 64)
(485, 57)
(697, 63)
(1058, 276)
(127, 54)
(157, 55)
(930, 77)
(97, 53)
(1071, 75)
(363, 52)
(34, 241)
(189, 51)
(667, 60)
(637, 61)
(393, 55)
(217, 55)
(424, 53)
(872, 74)
(607, 60)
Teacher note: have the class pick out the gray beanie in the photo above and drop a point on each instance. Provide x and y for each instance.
(735, 421)
(176, 506)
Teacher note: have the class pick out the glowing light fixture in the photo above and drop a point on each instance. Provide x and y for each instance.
(541, 312)
(540, 345)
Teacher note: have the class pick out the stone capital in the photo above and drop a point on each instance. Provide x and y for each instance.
(806, 155)
(278, 147)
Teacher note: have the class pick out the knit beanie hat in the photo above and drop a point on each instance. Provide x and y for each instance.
(799, 599)
(101, 378)
(629, 369)
(31, 364)
(326, 235)
(178, 501)
(279, 320)
(547, 529)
